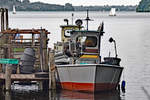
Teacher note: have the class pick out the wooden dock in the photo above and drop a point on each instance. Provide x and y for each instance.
(23, 77)
(12, 46)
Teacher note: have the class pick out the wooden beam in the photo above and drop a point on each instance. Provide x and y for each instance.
(8, 71)
(52, 82)
(24, 39)
(19, 31)
(2, 19)
(23, 77)
(7, 22)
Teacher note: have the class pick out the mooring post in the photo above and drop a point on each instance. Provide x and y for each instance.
(32, 39)
(1, 85)
(41, 51)
(45, 56)
(49, 69)
(2, 19)
(40, 85)
(0, 68)
(7, 95)
(7, 21)
(53, 95)
(52, 82)
(8, 71)
(18, 69)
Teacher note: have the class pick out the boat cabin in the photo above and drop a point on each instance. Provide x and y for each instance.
(65, 37)
(66, 30)
(84, 44)
(79, 45)
(86, 41)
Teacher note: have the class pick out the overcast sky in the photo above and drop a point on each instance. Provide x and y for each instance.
(91, 2)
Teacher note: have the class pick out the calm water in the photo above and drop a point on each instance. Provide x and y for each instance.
(130, 30)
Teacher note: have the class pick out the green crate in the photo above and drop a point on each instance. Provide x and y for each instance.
(9, 61)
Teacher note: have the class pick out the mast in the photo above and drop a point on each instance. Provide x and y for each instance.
(72, 17)
(112, 12)
(101, 32)
(88, 19)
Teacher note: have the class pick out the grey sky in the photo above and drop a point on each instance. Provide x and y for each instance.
(92, 2)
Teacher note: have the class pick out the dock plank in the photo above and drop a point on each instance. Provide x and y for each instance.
(23, 77)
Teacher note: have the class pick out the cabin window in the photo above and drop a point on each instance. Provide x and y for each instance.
(91, 41)
(85, 41)
(67, 33)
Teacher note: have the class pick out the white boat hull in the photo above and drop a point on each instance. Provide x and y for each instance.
(89, 77)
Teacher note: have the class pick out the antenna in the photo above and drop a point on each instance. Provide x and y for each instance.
(88, 19)
(72, 17)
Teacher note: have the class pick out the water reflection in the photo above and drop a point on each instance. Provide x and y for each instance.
(69, 95)
(61, 95)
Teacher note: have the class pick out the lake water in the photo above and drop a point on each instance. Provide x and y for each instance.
(130, 30)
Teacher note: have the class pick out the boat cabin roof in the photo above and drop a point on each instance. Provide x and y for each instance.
(85, 31)
(62, 26)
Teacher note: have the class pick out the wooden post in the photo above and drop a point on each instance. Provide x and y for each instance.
(8, 95)
(0, 85)
(45, 56)
(43, 51)
(40, 85)
(50, 85)
(33, 41)
(49, 69)
(52, 82)
(8, 71)
(2, 19)
(45, 85)
(52, 95)
(7, 22)
(18, 69)
(0, 68)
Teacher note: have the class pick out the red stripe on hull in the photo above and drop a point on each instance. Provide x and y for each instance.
(88, 87)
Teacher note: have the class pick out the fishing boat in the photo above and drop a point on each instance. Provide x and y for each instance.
(112, 12)
(14, 9)
(79, 63)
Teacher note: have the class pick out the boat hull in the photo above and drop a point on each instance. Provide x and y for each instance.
(89, 78)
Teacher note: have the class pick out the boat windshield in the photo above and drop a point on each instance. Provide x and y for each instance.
(91, 41)
(86, 61)
(88, 41)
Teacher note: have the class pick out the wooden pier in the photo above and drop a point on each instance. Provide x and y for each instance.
(23, 77)
(12, 45)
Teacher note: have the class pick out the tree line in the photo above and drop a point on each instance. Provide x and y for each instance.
(26, 5)
(144, 6)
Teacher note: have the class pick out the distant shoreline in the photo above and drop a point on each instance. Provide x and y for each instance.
(26, 5)
(70, 11)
